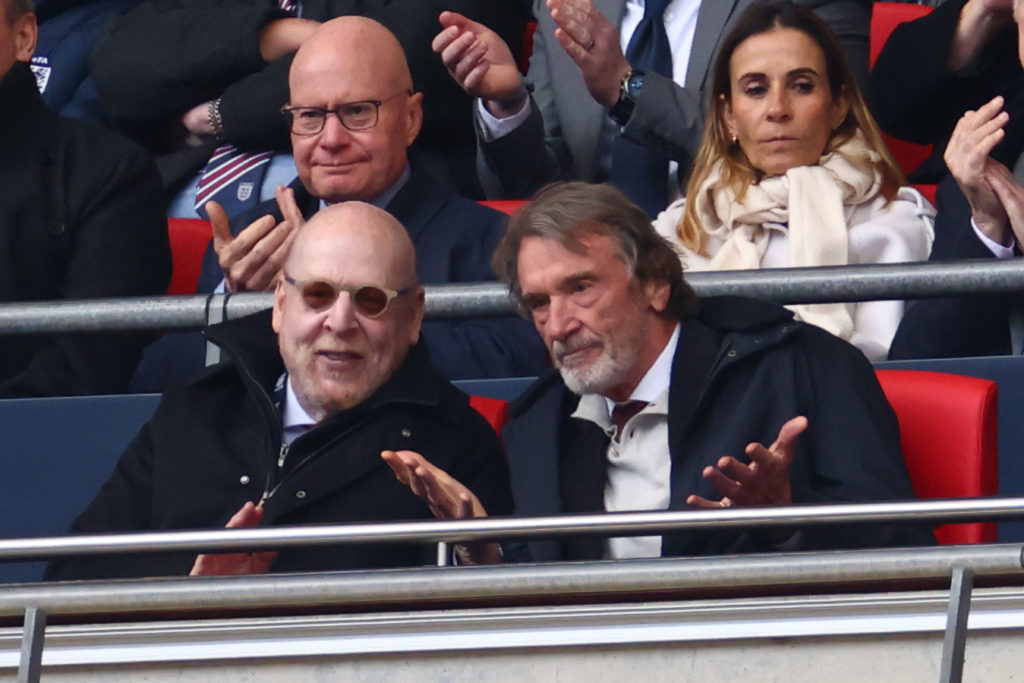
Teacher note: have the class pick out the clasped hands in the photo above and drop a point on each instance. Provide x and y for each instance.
(996, 200)
(252, 259)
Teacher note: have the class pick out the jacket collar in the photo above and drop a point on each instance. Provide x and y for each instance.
(20, 103)
(723, 324)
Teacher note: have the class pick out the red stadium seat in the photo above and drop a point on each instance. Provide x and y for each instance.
(189, 237)
(494, 410)
(928, 191)
(508, 206)
(523, 59)
(949, 433)
(886, 16)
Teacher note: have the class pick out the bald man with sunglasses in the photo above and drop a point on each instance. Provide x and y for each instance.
(291, 430)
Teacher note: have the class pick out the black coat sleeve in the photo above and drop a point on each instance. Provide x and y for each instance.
(951, 327)
(167, 56)
(123, 504)
(111, 210)
(916, 97)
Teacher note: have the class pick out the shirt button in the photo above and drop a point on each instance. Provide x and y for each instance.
(732, 353)
(300, 494)
(406, 432)
(244, 479)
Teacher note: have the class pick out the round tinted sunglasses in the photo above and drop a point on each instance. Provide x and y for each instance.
(370, 300)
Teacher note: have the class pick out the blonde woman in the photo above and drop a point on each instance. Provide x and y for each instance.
(792, 172)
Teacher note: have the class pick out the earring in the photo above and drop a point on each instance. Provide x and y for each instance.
(735, 139)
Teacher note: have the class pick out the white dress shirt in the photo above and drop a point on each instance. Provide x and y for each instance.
(639, 463)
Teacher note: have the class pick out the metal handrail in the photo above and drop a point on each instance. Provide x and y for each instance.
(435, 531)
(783, 285)
(511, 584)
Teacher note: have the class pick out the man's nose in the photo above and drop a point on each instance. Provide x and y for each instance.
(334, 134)
(561, 320)
(341, 315)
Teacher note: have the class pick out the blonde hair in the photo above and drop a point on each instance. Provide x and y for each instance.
(717, 147)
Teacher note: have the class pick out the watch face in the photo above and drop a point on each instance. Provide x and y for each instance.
(635, 83)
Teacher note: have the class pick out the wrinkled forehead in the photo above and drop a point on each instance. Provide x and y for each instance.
(545, 263)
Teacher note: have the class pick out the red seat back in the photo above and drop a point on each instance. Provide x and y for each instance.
(494, 410)
(523, 58)
(189, 237)
(886, 16)
(949, 433)
(928, 191)
(508, 206)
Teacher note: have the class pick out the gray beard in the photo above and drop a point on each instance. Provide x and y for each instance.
(601, 375)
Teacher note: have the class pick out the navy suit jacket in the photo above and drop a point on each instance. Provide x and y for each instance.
(454, 239)
(953, 327)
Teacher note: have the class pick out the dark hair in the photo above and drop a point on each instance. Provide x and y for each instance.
(717, 145)
(567, 212)
(15, 9)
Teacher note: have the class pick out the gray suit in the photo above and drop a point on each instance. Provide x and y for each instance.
(569, 135)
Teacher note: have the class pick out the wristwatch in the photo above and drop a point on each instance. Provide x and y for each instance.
(629, 91)
(216, 122)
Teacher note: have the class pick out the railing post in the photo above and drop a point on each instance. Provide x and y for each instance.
(443, 556)
(955, 641)
(216, 307)
(31, 664)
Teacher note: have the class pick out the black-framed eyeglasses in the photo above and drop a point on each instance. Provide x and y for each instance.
(361, 115)
(370, 300)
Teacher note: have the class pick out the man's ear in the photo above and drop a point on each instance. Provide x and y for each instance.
(278, 312)
(414, 117)
(26, 32)
(419, 308)
(657, 293)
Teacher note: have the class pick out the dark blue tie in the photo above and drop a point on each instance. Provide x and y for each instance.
(640, 172)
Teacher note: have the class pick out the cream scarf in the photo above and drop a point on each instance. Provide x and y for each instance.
(811, 201)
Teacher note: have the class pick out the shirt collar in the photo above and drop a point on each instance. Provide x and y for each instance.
(293, 414)
(659, 375)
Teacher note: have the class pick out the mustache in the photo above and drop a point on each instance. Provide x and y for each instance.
(561, 349)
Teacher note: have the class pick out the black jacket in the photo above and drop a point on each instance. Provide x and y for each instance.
(213, 444)
(81, 216)
(916, 97)
(167, 56)
(955, 326)
(742, 368)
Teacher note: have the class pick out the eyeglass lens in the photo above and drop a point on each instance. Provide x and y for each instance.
(354, 116)
(369, 300)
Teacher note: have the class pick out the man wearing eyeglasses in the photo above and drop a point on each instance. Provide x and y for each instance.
(292, 429)
(353, 115)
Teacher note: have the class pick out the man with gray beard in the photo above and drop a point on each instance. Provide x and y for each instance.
(660, 401)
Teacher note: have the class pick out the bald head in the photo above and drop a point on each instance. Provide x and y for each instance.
(357, 227)
(339, 340)
(353, 64)
(352, 44)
